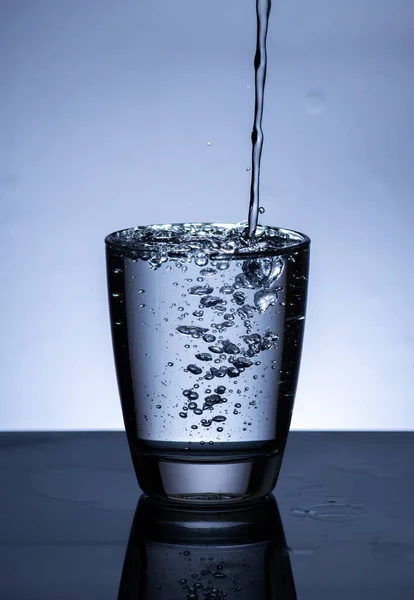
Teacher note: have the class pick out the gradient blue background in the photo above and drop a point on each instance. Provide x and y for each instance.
(107, 110)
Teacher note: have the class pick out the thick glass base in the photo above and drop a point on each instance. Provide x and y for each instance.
(203, 481)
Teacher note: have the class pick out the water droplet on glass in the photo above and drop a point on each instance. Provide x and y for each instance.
(315, 102)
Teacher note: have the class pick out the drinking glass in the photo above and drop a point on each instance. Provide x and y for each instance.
(207, 339)
(210, 555)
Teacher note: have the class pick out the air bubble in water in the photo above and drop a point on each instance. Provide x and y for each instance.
(223, 265)
(219, 575)
(265, 298)
(221, 372)
(241, 362)
(192, 330)
(200, 290)
(208, 272)
(216, 349)
(239, 298)
(233, 372)
(201, 259)
(227, 289)
(210, 301)
(204, 356)
(230, 348)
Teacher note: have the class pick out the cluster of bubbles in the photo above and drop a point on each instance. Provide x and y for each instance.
(207, 584)
(199, 242)
(211, 247)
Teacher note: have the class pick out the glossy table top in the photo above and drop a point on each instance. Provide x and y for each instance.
(68, 500)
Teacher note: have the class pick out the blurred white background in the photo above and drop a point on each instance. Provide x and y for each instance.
(106, 112)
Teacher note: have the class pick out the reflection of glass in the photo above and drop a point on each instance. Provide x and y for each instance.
(238, 554)
(207, 342)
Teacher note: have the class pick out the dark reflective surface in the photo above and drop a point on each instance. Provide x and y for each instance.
(68, 501)
(197, 555)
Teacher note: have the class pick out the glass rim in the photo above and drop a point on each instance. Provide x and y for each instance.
(302, 241)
